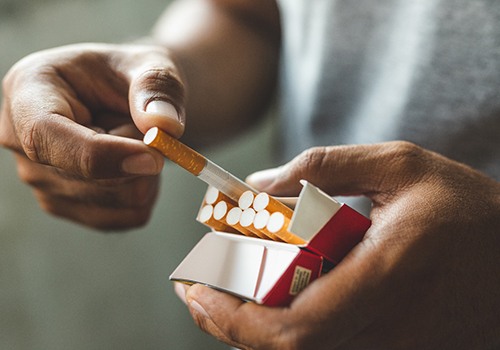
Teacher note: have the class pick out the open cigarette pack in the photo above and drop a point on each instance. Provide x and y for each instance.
(268, 254)
(259, 248)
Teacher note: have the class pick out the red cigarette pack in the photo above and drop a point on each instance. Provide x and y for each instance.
(273, 273)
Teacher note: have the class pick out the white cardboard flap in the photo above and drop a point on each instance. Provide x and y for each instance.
(274, 265)
(313, 210)
(246, 266)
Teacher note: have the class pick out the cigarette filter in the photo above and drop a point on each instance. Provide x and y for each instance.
(206, 217)
(264, 201)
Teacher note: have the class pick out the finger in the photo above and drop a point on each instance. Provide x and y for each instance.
(59, 142)
(103, 218)
(78, 80)
(181, 290)
(348, 170)
(157, 93)
(126, 192)
(43, 128)
(127, 130)
(241, 324)
(329, 312)
(345, 301)
(46, 105)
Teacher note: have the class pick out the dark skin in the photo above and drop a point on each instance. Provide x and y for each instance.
(424, 277)
(74, 116)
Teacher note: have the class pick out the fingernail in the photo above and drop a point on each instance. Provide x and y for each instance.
(163, 109)
(180, 291)
(140, 164)
(262, 179)
(196, 306)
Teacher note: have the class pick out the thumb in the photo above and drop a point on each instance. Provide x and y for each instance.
(347, 170)
(157, 94)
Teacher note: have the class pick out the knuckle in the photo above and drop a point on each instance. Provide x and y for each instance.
(312, 160)
(29, 66)
(7, 82)
(405, 148)
(32, 143)
(20, 125)
(89, 162)
(406, 156)
(7, 138)
(12, 76)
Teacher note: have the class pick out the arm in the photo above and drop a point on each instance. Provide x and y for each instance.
(74, 116)
(228, 51)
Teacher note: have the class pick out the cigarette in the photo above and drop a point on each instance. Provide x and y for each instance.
(213, 196)
(221, 211)
(278, 225)
(246, 200)
(229, 185)
(261, 219)
(246, 221)
(233, 219)
(260, 222)
(206, 217)
(196, 164)
(264, 201)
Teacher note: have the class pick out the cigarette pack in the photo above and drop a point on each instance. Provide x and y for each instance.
(273, 273)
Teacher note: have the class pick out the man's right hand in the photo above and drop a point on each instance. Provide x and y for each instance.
(74, 116)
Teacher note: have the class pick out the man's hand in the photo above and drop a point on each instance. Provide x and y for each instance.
(73, 114)
(426, 276)
(74, 117)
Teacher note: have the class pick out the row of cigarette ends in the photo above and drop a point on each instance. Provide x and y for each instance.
(259, 215)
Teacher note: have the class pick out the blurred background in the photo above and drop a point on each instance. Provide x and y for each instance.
(63, 286)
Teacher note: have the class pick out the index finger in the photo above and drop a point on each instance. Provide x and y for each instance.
(42, 120)
(350, 170)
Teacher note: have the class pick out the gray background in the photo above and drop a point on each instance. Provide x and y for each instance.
(66, 287)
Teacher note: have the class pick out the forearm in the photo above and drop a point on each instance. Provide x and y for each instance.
(228, 52)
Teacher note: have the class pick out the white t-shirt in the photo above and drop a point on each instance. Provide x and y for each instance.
(366, 71)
